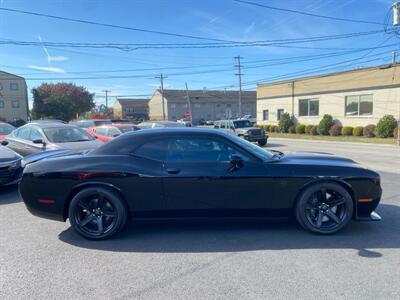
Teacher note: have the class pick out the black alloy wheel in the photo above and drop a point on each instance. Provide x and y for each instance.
(97, 213)
(324, 208)
(262, 143)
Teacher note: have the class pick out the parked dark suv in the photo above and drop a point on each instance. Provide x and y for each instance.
(244, 129)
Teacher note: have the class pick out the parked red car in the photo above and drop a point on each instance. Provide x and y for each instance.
(5, 129)
(107, 132)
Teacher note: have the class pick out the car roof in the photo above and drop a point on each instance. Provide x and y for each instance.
(176, 131)
(48, 124)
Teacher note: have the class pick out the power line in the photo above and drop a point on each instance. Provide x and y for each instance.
(308, 13)
(110, 25)
(137, 46)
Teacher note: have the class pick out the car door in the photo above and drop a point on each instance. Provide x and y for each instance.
(18, 141)
(35, 134)
(200, 178)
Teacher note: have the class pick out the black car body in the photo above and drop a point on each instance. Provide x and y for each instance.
(193, 172)
(10, 167)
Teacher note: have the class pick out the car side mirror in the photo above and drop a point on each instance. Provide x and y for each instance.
(38, 141)
(236, 161)
(115, 135)
(4, 143)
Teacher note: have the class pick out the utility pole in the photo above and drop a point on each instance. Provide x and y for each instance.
(106, 91)
(161, 77)
(396, 24)
(189, 105)
(239, 74)
(292, 84)
(394, 57)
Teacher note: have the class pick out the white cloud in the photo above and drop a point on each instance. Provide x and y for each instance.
(47, 69)
(56, 58)
(250, 28)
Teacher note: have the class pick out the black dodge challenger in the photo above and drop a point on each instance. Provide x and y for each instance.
(193, 172)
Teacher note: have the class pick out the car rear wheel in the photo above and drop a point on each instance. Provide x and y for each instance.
(324, 208)
(97, 213)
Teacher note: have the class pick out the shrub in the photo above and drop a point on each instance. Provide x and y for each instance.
(300, 128)
(385, 126)
(396, 132)
(358, 131)
(347, 130)
(369, 130)
(266, 127)
(314, 130)
(292, 129)
(325, 124)
(272, 128)
(285, 122)
(335, 130)
(276, 129)
(308, 128)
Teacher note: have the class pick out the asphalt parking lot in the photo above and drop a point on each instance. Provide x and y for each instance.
(41, 259)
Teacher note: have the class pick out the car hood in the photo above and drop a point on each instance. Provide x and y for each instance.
(86, 145)
(6, 155)
(243, 130)
(317, 158)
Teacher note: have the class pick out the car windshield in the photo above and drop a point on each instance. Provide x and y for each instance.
(258, 151)
(6, 129)
(242, 123)
(66, 134)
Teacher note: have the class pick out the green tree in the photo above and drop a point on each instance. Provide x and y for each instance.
(60, 101)
(285, 122)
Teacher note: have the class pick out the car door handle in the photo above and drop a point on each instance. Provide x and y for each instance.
(173, 171)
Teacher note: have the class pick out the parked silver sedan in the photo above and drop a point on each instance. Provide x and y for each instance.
(42, 136)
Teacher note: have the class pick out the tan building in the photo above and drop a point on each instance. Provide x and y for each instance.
(13, 97)
(131, 108)
(357, 97)
(204, 104)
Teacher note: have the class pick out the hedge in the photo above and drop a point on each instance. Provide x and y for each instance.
(335, 130)
(369, 130)
(292, 129)
(325, 124)
(347, 130)
(300, 128)
(358, 131)
(385, 126)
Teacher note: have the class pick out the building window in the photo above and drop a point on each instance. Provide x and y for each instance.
(197, 105)
(308, 107)
(228, 105)
(173, 105)
(1, 103)
(15, 104)
(14, 86)
(360, 105)
(265, 114)
(279, 113)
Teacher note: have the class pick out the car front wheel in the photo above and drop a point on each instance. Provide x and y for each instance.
(97, 213)
(262, 142)
(324, 208)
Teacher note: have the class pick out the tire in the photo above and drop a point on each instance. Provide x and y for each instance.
(262, 142)
(97, 213)
(324, 208)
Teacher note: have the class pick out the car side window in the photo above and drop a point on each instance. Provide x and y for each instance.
(113, 131)
(24, 133)
(35, 135)
(155, 150)
(101, 131)
(201, 149)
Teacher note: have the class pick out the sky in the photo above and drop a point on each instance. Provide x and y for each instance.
(208, 68)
